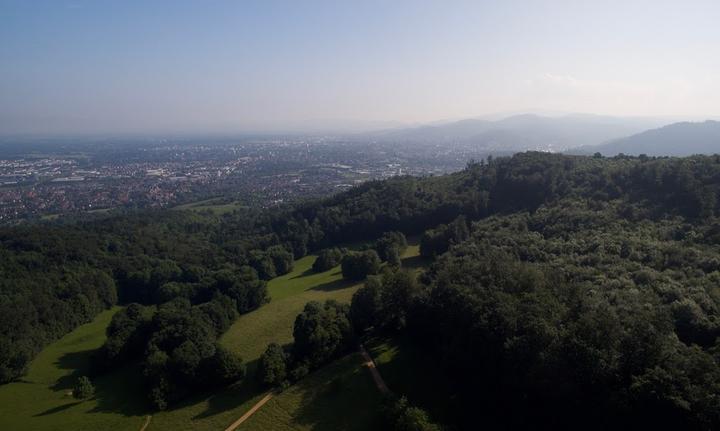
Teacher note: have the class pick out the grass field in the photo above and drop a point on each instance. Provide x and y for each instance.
(411, 372)
(249, 336)
(215, 205)
(324, 400)
(41, 401)
(341, 396)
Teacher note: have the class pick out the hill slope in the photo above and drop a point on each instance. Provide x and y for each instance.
(522, 132)
(566, 291)
(678, 139)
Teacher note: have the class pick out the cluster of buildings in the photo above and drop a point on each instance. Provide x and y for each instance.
(159, 175)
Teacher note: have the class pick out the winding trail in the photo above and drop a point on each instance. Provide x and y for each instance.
(370, 364)
(147, 422)
(250, 412)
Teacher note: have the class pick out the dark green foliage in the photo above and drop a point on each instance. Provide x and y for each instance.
(398, 292)
(393, 258)
(282, 259)
(273, 367)
(182, 353)
(83, 389)
(321, 332)
(263, 263)
(437, 241)
(365, 307)
(328, 258)
(177, 345)
(221, 312)
(126, 336)
(390, 246)
(358, 265)
(575, 306)
(400, 415)
(242, 286)
(386, 301)
(586, 294)
(223, 368)
(40, 302)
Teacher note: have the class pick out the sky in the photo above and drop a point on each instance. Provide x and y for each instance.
(101, 66)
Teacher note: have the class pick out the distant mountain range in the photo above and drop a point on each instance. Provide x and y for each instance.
(522, 132)
(678, 139)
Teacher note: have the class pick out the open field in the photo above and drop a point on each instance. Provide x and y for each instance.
(340, 396)
(401, 363)
(249, 336)
(216, 205)
(324, 400)
(41, 401)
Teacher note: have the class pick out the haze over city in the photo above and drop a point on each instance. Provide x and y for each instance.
(76, 67)
(370, 215)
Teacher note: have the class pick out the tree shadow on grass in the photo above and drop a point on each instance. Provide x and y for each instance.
(335, 285)
(231, 397)
(78, 362)
(434, 392)
(121, 391)
(118, 391)
(340, 395)
(58, 409)
(415, 262)
(305, 273)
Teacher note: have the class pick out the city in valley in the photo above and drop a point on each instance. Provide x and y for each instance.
(45, 180)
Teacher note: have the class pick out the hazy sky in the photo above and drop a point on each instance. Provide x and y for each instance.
(139, 66)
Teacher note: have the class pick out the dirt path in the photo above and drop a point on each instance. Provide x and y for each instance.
(147, 422)
(250, 412)
(379, 382)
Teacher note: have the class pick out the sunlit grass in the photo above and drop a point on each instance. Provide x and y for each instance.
(41, 401)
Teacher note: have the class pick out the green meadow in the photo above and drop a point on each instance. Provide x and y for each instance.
(340, 396)
(327, 399)
(401, 362)
(42, 399)
(217, 206)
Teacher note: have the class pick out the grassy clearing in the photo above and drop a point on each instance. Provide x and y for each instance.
(218, 206)
(340, 396)
(41, 401)
(250, 335)
(409, 371)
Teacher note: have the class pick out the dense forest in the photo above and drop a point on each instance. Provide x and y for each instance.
(565, 290)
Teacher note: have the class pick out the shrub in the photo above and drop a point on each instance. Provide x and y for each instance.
(83, 389)
(328, 258)
(272, 370)
(358, 265)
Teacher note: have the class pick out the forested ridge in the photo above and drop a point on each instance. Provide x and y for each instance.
(566, 290)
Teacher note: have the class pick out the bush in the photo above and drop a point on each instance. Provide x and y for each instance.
(437, 241)
(358, 265)
(328, 258)
(83, 389)
(390, 246)
(272, 370)
(281, 258)
(402, 416)
(321, 332)
(224, 367)
(366, 304)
